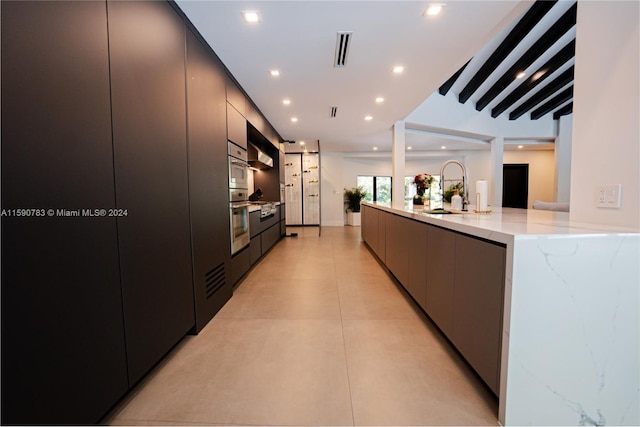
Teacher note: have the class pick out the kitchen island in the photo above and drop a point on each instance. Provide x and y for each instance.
(543, 308)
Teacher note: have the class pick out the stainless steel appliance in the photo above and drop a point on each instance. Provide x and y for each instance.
(239, 210)
(238, 167)
(238, 197)
(267, 209)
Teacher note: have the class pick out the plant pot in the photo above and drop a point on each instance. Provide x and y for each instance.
(353, 219)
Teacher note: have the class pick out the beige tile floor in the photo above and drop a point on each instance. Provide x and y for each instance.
(317, 334)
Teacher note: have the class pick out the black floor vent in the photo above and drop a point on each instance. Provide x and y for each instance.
(214, 280)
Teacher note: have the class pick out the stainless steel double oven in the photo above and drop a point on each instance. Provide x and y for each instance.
(238, 197)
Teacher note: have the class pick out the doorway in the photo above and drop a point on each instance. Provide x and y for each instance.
(515, 185)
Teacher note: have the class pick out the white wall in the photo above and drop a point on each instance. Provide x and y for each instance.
(606, 136)
(332, 188)
(562, 182)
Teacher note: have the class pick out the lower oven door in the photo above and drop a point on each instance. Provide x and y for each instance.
(239, 226)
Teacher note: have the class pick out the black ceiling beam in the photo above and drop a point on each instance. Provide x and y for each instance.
(557, 61)
(553, 103)
(567, 109)
(447, 85)
(557, 30)
(558, 83)
(522, 28)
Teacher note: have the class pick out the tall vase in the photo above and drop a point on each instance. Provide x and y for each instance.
(417, 199)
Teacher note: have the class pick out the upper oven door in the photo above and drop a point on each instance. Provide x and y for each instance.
(238, 167)
(238, 173)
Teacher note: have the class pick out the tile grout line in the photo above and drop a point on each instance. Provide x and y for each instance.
(344, 344)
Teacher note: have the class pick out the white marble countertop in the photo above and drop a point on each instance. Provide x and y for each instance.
(505, 224)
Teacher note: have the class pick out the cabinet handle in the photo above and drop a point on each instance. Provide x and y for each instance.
(313, 181)
(288, 164)
(313, 167)
(306, 171)
(296, 174)
(313, 195)
(289, 185)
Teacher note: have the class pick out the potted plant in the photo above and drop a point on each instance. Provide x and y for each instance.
(352, 199)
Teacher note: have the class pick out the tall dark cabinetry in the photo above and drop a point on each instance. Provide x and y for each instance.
(63, 347)
(208, 180)
(147, 52)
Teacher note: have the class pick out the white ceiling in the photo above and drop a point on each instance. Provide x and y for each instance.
(299, 38)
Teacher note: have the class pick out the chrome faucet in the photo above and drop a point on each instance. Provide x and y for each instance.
(465, 200)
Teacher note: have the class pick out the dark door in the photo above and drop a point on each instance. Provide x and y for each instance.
(63, 352)
(147, 46)
(515, 185)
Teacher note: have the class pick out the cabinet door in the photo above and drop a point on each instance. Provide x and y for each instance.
(418, 255)
(369, 228)
(147, 45)
(236, 97)
(63, 353)
(382, 235)
(208, 180)
(440, 278)
(397, 247)
(479, 290)
(236, 127)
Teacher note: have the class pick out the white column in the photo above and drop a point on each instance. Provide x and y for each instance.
(397, 160)
(563, 159)
(497, 160)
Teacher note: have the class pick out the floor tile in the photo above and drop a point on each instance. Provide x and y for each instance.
(318, 333)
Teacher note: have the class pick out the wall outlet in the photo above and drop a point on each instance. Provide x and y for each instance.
(608, 196)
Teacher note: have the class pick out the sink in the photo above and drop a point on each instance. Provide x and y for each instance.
(442, 211)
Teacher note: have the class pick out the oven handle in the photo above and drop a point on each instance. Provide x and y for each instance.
(240, 162)
(239, 205)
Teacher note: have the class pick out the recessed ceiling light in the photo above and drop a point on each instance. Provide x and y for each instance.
(274, 73)
(301, 142)
(379, 100)
(398, 69)
(251, 16)
(409, 148)
(375, 148)
(434, 9)
(294, 119)
(520, 75)
(520, 146)
(367, 118)
(443, 147)
(286, 101)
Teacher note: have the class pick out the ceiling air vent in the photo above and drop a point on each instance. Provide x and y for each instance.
(342, 48)
(334, 111)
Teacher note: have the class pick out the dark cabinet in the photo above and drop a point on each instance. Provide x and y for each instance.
(236, 127)
(208, 181)
(374, 229)
(441, 278)
(147, 50)
(397, 244)
(457, 279)
(478, 304)
(63, 347)
(236, 97)
(419, 264)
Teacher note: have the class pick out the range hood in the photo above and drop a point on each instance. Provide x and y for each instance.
(258, 159)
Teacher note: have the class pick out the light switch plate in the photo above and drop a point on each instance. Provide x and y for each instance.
(608, 195)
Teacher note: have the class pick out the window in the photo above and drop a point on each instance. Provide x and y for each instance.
(410, 188)
(378, 188)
